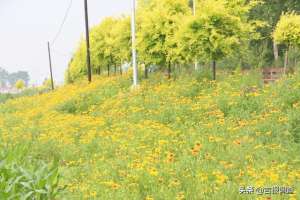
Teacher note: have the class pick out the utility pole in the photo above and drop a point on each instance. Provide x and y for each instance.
(194, 7)
(194, 13)
(134, 57)
(50, 65)
(214, 69)
(88, 52)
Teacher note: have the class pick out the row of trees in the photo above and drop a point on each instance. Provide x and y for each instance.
(169, 34)
(267, 51)
(10, 79)
(287, 32)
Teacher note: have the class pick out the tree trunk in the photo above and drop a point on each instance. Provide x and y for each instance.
(121, 71)
(196, 64)
(115, 69)
(180, 68)
(286, 60)
(108, 70)
(146, 72)
(169, 70)
(175, 71)
(214, 69)
(276, 54)
(111, 61)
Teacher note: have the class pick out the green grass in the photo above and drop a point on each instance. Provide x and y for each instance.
(26, 92)
(24, 177)
(188, 138)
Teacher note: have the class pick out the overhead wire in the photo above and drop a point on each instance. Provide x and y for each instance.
(63, 23)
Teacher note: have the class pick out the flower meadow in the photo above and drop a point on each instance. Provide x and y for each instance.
(189, 138)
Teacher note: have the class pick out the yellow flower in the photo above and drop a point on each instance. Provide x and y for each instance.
(203, 177)
(274, 177)
(153, 172)
(174, 183)
(221, 178)
(149, 198)
(269, 133)
(260, 182)
(180, 196)
(170, 157)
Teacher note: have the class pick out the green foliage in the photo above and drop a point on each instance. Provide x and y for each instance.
(295, 127)
(25, 178)
(159, 22)
(106, 48)
(83, 102)
(47, 84)
(121, 34)
(216, 32)
(122, 144)
(12, 78)
(234, 33)
(24, 93)
(262, 51)
(77, 66)
(5, 97)
(288, 30)
(110, 46)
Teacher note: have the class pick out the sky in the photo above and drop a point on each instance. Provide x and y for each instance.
(27, 25)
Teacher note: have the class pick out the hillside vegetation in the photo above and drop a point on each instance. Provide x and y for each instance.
(186, 139)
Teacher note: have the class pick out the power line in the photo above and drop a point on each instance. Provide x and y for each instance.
(63, 23)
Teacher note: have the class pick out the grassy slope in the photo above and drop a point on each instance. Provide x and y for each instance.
(26, 92)
(184, 139)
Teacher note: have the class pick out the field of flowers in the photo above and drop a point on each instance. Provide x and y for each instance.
(188, 138)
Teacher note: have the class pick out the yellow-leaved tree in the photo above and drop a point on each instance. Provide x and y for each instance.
(110, 46)
(20, 84)
(217, 31)
(287, 32)
(159, 20)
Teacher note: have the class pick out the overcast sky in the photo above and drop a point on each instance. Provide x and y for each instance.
(27, 25)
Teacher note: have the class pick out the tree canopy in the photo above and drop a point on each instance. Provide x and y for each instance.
(216, 31)
(7, 78)
(159, 22)
(20, 84)
(168, 34)
(288, 30)
(110, 46)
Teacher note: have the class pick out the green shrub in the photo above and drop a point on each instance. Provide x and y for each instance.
(5, 97)
(294, 126)
(25, 93)
(22, 178)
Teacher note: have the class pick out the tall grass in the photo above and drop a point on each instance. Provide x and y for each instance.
(188, 138)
